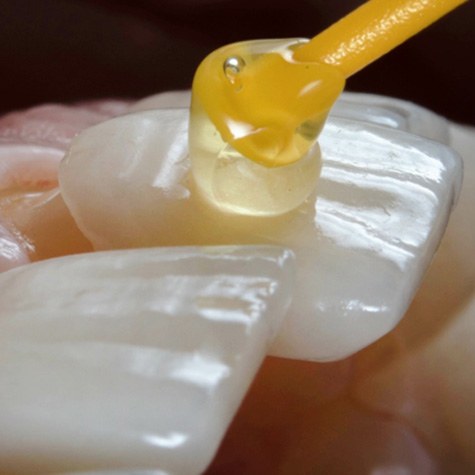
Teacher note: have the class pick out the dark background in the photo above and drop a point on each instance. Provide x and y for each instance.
(64, 50)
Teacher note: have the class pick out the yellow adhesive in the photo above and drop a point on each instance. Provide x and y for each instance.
(258, 107)
(284, 125)
(267, 106)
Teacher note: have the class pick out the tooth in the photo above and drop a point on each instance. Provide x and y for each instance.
(362, 243)
(393, 113)
(106, 107)
(423, 372)
(162, 101)
(133, 359)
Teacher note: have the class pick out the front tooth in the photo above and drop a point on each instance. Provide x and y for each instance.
(132, 359)
(362, 243)
(162, 100)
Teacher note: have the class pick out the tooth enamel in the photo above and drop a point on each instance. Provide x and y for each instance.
(163, 100)
(393, 113)
(423, 373)
(133, 359)
(362, 244)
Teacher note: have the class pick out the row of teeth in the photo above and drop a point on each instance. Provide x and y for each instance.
(148, 352)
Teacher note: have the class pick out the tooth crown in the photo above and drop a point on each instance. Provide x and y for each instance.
(362, 242)
(132, 359)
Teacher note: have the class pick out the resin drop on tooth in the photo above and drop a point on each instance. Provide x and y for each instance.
(133, 359)
(362, 243)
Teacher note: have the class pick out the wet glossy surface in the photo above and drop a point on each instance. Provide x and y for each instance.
(412, 391)
(139, 357)
(393, 113)
(237, 91)
(363, 241)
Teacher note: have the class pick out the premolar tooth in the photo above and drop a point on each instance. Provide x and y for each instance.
(362, 243)
(133, 359)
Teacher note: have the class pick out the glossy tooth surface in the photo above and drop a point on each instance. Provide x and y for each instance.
(362, 242)
(423, 372)
(402, 406)
(162, 100)
(393, 113)
(133, 360)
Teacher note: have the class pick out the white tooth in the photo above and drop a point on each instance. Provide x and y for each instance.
(423, 372)
(132, 360)
(393, 113)
(163, 100)
(362, 243)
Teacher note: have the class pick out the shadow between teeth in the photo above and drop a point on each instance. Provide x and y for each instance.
(133, 359)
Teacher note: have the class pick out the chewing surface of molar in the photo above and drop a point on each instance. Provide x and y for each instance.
(362, 242)
(133, 359)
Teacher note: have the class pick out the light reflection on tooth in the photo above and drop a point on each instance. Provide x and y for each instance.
(12, 253)
(99, 368)
(170, 441)
(202, 370)
(367, 235)
(346, 230)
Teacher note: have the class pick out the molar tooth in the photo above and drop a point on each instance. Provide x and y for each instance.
(133, 359)
(362, 242)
